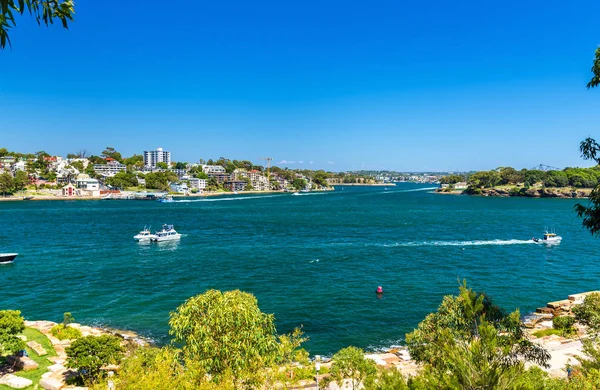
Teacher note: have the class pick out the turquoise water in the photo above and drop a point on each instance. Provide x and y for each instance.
(313, 260)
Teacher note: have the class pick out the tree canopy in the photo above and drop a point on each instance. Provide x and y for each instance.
(11, 324)
(227, 334)
(44, 11)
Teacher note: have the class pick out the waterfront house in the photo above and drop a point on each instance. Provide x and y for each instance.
(180, 188)
(87, 184)
(461, 185)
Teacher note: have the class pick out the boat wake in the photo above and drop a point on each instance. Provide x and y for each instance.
(225, 199)
(460, 243)
(415, 190)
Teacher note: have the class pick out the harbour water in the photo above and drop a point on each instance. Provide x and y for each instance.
(313, 260)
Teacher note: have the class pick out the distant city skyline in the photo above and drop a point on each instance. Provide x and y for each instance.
(337, 86)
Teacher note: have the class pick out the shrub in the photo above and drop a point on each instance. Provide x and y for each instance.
(89, 354)
(11, 324)
(564, 324)
(63, 332)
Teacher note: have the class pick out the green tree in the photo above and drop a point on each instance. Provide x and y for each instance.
(20, 180)
(484, 179)
(110, 152)
(461, 317)
(162, 165)
(11, 324)
(135, 160)
(226, 333)
(595, 81)
(350, 363)
(299, 184)
(6, 183)
(588, 313)
(44, 11)
(89, 354)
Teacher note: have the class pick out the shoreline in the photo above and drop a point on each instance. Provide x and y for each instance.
(562, 350)
(206, 194)
(521, 192)
(364, 185)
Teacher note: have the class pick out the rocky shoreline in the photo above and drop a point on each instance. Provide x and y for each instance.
(533, 192)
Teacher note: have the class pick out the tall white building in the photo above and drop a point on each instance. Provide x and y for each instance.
(151, 158)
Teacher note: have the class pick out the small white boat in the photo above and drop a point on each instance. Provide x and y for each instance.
(296, 193)
(144, 236)
(549, 238)
(166, 199)
(167, 233)
(6, 258)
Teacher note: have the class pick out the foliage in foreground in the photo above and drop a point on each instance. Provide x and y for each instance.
(461, 319)
(11, 324)
(226, 334)
(44, 11)
(64, 331)
(89, 354)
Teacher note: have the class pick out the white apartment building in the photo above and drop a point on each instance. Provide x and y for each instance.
(208, 169)
(153, 157)
(199, 184)
(110, 169)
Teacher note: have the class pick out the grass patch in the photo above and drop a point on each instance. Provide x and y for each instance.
(547, 332)
(44, 363)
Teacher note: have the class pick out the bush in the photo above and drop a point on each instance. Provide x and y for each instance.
(89, 354)
(563, 322)
(11, 324)
(63, 332)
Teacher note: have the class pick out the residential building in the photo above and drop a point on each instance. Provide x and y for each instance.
(239, 173)
(110, 169)
(198, 184)
(235, 185)
(153, 157)
(87, 184)
(208, 169)
(180, 188)
(258, 181)
(461, 185)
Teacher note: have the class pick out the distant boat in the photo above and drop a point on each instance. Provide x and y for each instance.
(107, 197)
(27, 197)
(548, 238)
(6, 258)
(296, 193)
(144, 236)
(167, 233)
(167, 199)
(304, 190)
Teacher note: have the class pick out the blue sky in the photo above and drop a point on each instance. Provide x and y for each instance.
(397, 85)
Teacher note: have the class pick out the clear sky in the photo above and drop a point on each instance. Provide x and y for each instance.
(399, 85)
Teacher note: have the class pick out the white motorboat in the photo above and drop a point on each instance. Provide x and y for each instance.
(167, 233)
(144, 236)
(166, 199)
(549, 238)
(296, 193)
(6, 258)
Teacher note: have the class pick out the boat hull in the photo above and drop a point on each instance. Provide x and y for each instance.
(166, 238)
(6, 258)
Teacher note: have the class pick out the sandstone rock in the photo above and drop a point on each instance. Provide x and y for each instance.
(37, 347)
(52, 383)
(23, 362)
(57, 359)
(578, 298)
(56, 367)
(559, 304)
(16, 382)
